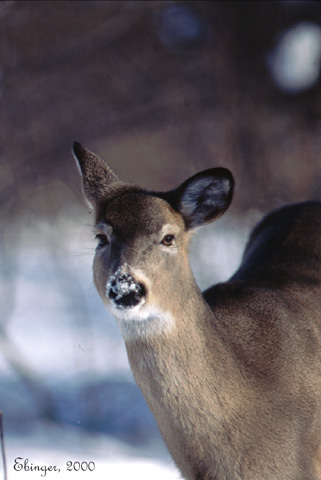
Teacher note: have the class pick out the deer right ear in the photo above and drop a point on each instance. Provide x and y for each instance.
(99, 181)
(205, 196)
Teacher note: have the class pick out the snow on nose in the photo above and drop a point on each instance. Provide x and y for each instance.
(124, 291)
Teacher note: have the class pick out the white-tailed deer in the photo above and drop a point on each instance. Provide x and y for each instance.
(232, 375)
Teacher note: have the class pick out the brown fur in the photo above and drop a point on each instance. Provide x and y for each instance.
(234, 382)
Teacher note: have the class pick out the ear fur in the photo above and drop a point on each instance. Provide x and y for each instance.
(205, 196)
(99, 181)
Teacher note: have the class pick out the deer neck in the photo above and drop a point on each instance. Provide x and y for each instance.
(168, 359)
(185, 369)
(176, 336)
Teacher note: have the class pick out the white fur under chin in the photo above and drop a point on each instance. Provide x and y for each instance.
(141, 321)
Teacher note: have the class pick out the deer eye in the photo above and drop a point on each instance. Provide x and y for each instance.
(168, 240)
(102, 240)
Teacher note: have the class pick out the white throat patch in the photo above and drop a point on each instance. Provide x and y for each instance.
(142, 321)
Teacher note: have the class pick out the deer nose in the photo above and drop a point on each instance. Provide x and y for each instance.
(124, 291)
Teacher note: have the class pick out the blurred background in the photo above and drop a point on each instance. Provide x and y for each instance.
(161, 90)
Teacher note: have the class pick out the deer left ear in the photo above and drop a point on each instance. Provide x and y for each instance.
(99, 181)
(205, 196)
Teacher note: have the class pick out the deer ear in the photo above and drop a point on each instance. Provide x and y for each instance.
(205, 196)
(99, 181)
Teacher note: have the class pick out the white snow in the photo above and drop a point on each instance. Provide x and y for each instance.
(122, 283)
(52, 446)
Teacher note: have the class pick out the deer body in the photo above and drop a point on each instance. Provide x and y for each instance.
(233, 375)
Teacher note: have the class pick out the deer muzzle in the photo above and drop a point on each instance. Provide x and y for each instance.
(124, 291)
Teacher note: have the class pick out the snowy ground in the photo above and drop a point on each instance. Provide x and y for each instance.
(60, 341)
(90, 457)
